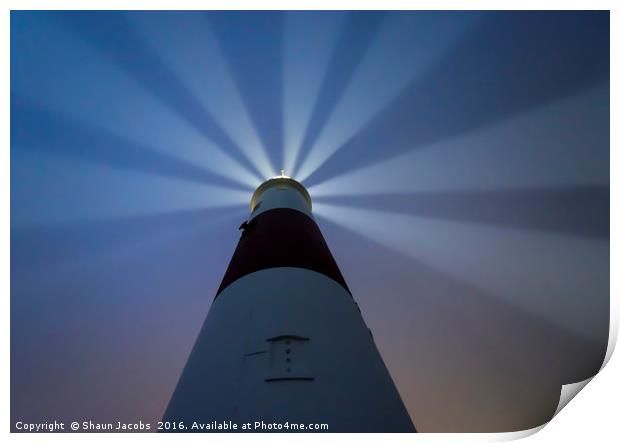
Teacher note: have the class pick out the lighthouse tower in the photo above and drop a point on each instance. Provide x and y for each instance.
(284, 340)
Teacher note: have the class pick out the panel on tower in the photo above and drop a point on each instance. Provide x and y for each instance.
(288, 358)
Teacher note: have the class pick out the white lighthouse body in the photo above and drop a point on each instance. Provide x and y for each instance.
(284, 341)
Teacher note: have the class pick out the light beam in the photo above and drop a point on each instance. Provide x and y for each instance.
(309, 41)
(193, 53)
(60, 190)
(406, 45)
(72, 78)
(546, 274)
(529, 150)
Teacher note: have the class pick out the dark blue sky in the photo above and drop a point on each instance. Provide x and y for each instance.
(458, 162)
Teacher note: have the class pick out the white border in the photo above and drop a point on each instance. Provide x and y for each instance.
(592, 416)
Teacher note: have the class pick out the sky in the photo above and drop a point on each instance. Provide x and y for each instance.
(458, 164)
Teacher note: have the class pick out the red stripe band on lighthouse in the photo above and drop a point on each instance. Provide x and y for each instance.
(281, 233)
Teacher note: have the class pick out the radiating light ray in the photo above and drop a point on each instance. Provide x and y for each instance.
(547, 274)
(574, 210)
(58, 134)
(193, 53)
(56, 190)
(505, 66)
(309, 41)
(74, 240)
(81, 247)
(142, 245)
(178, 230)
(405, 46)
(529, 150)
(72, 78)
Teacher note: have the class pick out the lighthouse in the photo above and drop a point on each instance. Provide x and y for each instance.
(284, 345)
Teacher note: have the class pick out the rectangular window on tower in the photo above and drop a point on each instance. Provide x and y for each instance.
(288, 360)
